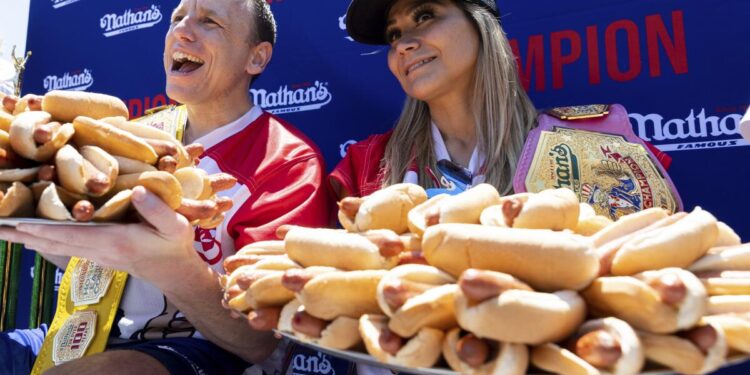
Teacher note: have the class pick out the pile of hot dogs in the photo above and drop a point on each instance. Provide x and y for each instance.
(75, 156)
(502, 285)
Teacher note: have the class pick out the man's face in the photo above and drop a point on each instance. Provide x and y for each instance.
(207, 50)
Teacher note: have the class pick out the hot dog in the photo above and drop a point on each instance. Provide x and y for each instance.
(465, 207)
(556, 209)
(338, 333)
(698, 350)
(156, 138)
(417, 217)
(733, 258)
(600, 346)
(65, 106)
(662, 301)
(546, 260)
(421, 350)
(376, 249)
(92, 171)
(736, 328)
(163, 184)
(416, 296)
(17, 201)
(115, 141)
(589, 223)
(52, 206)
(22, 136)
(500, 307)
(728, 304)
(258, 285)
(332, 294)
(719, 283)
(469, 354)
(385, 209)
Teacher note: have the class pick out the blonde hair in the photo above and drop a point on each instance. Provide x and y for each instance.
(503, 113)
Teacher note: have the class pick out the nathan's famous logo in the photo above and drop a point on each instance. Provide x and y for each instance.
(61, 3)
(316, 364)
(698, 130)
(344, 147)
(297, 98)
(130, 20)
(567, 173)
(77, 81)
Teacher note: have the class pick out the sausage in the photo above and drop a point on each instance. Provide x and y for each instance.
(720, 274)
(264, 319)
(390, 342)
(224, 204)
(167, 163)
(295, 279)
(162, 148)
(98, 183)
(194, 150)
(222, 181)
(397, 292)
(236, 261)
(9, 103)
(473, 350)
(389, 243)
(83, 211)
(47, 172)
(307, 324)
(703, 337)
(599, 348)
(411, 242)
(42, 134)
(511, 209)
(34, 102)
(232, 292)
(671, 289)
(196, 210)
(412, 257)
(481, 285)
(246, 280)
(432, 217)
(282, 231)
(349, 206)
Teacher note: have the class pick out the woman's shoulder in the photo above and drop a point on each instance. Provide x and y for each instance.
(360, 169)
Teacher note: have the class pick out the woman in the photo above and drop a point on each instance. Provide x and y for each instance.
(466, 115)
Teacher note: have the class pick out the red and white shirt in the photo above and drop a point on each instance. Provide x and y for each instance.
(280, 180)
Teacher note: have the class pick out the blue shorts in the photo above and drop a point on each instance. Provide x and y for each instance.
(18, 350)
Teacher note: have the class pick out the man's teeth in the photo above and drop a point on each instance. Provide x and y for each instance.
(182, 57)
(417, 65)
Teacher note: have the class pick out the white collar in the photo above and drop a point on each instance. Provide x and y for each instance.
(476, 163)
(225, 131)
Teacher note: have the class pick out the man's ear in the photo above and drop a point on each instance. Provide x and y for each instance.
(259, 58)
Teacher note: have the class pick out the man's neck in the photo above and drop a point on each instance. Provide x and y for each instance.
(203, 118)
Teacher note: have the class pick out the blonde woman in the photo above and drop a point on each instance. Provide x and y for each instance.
(466, 115)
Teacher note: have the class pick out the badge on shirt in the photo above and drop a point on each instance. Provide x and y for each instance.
(74, 337)
(451, 177)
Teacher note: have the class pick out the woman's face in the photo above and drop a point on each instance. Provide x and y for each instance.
(434, 48)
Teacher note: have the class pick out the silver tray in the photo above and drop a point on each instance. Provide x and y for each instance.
(365, 358)
(13, 221)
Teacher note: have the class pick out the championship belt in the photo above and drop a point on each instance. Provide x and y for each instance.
(89, 293)
(593, 151)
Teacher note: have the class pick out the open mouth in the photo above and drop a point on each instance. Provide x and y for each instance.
(418, 65)
(184, 63)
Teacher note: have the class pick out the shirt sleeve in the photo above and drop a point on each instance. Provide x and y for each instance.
(294, 194)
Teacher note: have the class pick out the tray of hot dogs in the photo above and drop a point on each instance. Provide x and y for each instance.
(74, 157)
(476, 282)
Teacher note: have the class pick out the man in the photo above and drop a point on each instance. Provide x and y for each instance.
(214, 49)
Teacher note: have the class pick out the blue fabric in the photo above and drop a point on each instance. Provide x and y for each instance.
(18, 350)
(188, 356)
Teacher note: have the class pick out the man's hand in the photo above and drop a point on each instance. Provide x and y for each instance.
(157, 253)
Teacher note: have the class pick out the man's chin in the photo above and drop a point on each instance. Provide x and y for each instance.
(183, 95)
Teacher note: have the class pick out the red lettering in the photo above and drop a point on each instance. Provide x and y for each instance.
(634, 51)
(138, 106)
(534, 61)
(160, 100)
(558, 59)
(675, 48)
(592, 45)
(135, 107)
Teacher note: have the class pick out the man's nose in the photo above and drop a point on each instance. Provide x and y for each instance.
(183, 29)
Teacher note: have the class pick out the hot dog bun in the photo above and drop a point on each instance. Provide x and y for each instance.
(150, 132)
(22, 136)
(685, 355)
(333, 294)
(341, 333)
(510, 359)
(467, 207)
(662, 301)
(89, 131)
(736, 329)
(67, 105)
(629, 358)
(734, 258)
(17, 201)
(427, 295)
(546, 260)
(520, 316)
(554, 209)
(385, 209)
(163, 184)
(422, 350)
(589, 223)
(417, 219)
(336, 248)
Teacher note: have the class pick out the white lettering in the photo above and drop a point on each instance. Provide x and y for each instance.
(116, 24)
(285, 100)
(700, 127)
(76, 82)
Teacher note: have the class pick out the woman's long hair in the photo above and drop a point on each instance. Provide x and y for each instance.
(503, 113)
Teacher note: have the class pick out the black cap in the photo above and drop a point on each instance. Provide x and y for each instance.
(366, 19)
